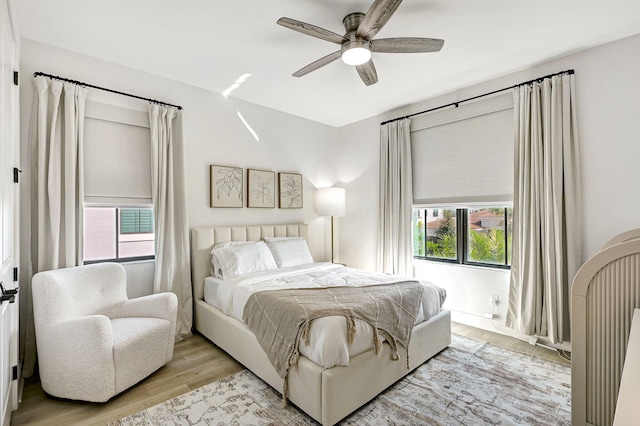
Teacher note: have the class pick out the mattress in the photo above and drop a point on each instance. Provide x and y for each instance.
(328, 341)
(211, 284)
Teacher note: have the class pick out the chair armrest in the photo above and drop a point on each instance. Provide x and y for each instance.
(78, 341)
(160, 305)
(81, 344)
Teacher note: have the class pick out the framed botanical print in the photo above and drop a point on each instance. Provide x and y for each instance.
(226, 186)
(290, 190)
(261, 188)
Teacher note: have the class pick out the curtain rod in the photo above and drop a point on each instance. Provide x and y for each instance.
(455, 104)
(81, 83)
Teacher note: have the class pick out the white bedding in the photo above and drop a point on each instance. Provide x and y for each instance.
(211, 284)
(328, 342)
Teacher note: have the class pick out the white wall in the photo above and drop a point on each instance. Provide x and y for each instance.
(356, 169)
(213, 134)
(607, 91)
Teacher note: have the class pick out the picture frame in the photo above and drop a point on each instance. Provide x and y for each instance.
(261, 188)
(290, 190)
(226, 186)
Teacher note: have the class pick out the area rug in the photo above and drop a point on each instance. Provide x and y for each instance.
(469, 383)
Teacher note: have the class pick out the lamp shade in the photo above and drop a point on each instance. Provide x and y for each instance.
(331, 202)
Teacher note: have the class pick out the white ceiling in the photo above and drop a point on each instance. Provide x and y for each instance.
(211, 43)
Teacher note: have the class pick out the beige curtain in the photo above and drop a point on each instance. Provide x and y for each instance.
(547, 223)
(57, 190)
(168, 184)
(395, 254)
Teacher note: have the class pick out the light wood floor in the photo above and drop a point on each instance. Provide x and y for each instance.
(196, 362)
(507, 342)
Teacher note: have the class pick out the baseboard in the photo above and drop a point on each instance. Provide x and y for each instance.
(496, 325)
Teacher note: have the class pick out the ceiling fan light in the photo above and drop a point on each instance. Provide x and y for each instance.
(356, 53)
(356, 56)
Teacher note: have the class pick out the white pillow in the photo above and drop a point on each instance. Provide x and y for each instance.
(216, 270)
(241, 259)
(289, 251)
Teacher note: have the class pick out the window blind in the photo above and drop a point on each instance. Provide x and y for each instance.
(117, 156)
(464, 155)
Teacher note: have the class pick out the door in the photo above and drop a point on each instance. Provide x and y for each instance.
(9, 149)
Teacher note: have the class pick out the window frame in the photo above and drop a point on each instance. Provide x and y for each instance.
(462, 240)
(119, 259)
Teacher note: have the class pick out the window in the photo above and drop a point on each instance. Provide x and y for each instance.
(471, 236)
(435, 237)
(463, 156)
(117, 178)
(118, 234)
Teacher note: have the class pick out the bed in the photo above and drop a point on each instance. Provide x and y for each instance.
(325, 394)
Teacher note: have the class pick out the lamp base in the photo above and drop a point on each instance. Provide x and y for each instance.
(331, 239)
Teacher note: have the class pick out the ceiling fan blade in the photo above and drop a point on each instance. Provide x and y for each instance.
(311, 30)
(406, 45)
(318, 64)
(367, 72)
(377, 15)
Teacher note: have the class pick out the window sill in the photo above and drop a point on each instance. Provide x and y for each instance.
(461, 265)
(133, 262)
(121, 261)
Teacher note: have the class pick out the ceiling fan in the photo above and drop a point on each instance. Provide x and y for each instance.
(357, 43)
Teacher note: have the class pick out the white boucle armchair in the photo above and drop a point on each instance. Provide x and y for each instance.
(93, 342)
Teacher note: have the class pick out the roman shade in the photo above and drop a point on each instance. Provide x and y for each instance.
(117, 155)
(464, 155)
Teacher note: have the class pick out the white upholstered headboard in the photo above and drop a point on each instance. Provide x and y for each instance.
(203, 240)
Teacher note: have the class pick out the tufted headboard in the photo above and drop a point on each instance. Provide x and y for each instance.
(203, 240)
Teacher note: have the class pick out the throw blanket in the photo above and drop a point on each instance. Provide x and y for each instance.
(280, 318)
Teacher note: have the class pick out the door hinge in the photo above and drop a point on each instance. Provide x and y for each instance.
(15, 274)
(14, 372)
(16, 78)
(16, 174)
